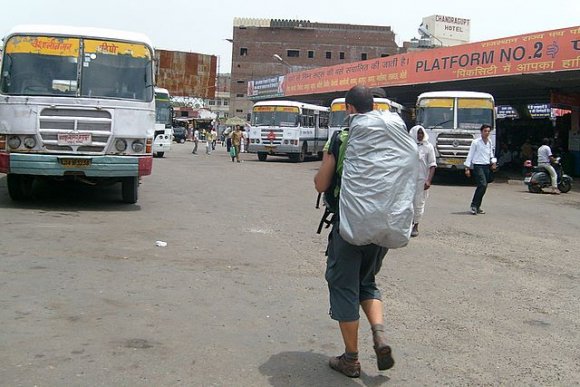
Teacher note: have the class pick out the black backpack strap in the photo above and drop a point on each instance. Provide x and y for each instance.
(325, 220)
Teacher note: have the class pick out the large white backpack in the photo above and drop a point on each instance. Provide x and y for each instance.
(379, 181)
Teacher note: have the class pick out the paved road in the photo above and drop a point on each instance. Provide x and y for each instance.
(237, 298)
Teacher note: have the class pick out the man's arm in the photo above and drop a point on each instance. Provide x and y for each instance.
(469, 159)
(324, 175)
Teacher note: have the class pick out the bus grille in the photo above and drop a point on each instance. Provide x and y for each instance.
(271, 136)
(453, 144)
(53, 121)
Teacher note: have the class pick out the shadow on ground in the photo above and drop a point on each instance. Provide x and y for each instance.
(311, 369)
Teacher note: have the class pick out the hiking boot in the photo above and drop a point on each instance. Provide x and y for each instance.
(415, 230)
(350, 368)
(384, 355)
(480, 211)
(473, 210)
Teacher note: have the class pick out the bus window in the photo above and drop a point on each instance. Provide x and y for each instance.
(275, 116)
(472, 113)
(435, 113)
(117, 70)
(40, 65)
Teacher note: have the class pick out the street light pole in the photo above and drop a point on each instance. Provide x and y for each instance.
(279, 59)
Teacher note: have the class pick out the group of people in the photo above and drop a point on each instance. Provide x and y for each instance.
(210, 138)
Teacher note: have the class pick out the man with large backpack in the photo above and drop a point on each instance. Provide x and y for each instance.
(378, 152)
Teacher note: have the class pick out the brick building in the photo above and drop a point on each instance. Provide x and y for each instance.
(220, 105)
(300, 45)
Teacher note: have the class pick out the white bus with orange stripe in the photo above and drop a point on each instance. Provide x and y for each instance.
(288, 128)
(453, 120)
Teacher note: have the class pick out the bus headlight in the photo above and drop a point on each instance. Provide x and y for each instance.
(120, 145)
(14, 142)
(137, 146)
(29, 142)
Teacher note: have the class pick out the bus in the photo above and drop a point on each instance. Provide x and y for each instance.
(163, 122)
(293, 129)
(338, 114)
(453, 120)
(76, 104)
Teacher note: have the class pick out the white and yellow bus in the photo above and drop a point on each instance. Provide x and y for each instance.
(76, 103)
(338, 114)
(289, 128)
(453, 120)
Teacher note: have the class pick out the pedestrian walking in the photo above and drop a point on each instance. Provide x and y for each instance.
(213, 138)
(351, 269)
(195, 140)
(237, 138)
(208, 142)
(483, 162)
(427, 165)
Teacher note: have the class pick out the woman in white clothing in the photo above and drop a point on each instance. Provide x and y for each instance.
(427, 167)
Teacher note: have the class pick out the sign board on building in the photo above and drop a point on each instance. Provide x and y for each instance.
(506, 111)
(548, 51)
(269, 87)
(186, 74)
(449, 30)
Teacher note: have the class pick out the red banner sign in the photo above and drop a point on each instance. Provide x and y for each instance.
(557, 50)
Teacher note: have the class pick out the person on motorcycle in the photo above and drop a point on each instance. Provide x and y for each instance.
(545, 160)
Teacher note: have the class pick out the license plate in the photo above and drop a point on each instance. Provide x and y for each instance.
(454, 161)
(74, 139)
(527, 179)
(74, 163)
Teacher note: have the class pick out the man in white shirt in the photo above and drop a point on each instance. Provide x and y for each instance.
(545, 160)
(482, 160)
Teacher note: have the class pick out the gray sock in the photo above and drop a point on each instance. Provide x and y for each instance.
(351, 356)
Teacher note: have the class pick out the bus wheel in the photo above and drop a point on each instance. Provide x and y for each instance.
(160, 154)
(130, 189)
(19, 186)
(299, 157)
(262, 156)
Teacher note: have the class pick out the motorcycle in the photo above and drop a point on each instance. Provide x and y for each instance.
(537, 178)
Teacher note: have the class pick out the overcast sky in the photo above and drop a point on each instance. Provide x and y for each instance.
(202, 26)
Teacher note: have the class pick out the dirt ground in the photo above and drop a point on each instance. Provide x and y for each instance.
(238, 297)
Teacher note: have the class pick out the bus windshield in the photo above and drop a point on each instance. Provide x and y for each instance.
(435, 113)
(275, 116)
(472, 113)
(163, 111)
(44, 65)
(338, 118)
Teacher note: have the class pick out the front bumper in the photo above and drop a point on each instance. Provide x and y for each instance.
(61, 165)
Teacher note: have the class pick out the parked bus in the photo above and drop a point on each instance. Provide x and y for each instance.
(290, 128)
(163, 122)
(338, 114)
(76, 103)
(453, 120)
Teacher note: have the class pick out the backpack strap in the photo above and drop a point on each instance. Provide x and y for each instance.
(334, 149)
